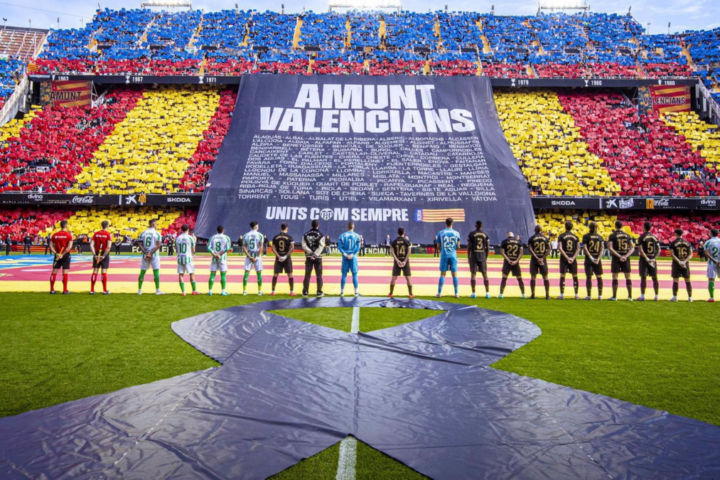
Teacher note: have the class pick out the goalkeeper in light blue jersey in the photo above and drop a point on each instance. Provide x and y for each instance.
(349, 246)
(712, 253)
(449, 241)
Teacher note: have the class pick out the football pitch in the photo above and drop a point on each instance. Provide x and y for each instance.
(56, 349)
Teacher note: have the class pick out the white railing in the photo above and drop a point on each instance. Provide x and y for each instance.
(10, 109)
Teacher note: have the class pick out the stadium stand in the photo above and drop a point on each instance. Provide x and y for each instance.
(642, 153)
(553, 223)
(150, 149)
(704, 137)
(19, 222)
(10, 74)
(549, 148)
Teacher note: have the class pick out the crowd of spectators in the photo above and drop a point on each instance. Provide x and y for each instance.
(233, 42)
(11, 72)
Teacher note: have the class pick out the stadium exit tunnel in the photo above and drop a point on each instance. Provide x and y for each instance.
(422, 393)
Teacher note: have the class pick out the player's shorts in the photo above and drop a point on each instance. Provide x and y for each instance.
(217, 265)
(536, 268)
(257, 265)
(477, 264)
(677, 271)
(188, 268)
(592, 268)
(448, 263)
(647, 270)
(508, 269)
(566, 267)
(103, 264)
(616, 266)
(711, 270)
(285, 266)
(349, 266)
(154, 263)
(397, 271)
(63, 262)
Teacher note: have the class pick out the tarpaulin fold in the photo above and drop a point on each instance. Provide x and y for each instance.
(422, 393)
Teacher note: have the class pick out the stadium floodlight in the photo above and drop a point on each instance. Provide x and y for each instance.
(563, 5)
(367, 4)
(167, 3)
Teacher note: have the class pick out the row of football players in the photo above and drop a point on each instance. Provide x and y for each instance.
(619, 244)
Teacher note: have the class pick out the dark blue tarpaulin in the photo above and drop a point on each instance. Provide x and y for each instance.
(422, 393)
(383, 152)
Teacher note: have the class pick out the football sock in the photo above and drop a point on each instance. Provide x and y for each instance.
(472, 284)
(291, 281)
(104, 282)
(409, 288)
(194, 285)
(522, 285)
(342, 283)
(259, 279)
(628, 284)
(355, 281)
(688, 287)
(643, 285)
(711, 288)
(392, 286)
(576, 285)
(547, 287)
(656, 285)
(675, 289)
(93, 279)
(615, 287)
(223, 280)
(274, 282)
(182, 286)
(65, 281)
(503, 282)
(588, 286)
(141, 279)
(52, 281)
(156, 277)
(211, 282)
(441, 284)
(562, 285)
(487, 286)
(456, 284)
(245, 279)
(600, 286)
(532, 287)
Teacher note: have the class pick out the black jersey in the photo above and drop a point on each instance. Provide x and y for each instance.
(401, 248)
(594, 244)
(621, 242)
(478, 244)
(650, 245)
(283, 244)
(313, 242)
(512, 248)
(539, 245)
(681, 248)
(569, 243)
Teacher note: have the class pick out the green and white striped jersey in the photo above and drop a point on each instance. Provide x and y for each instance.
(150, 239)
(712, 247)
(220, 243)
(253, 241)
(184, 245)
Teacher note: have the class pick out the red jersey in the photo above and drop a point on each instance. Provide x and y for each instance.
(101, 241)
(61, 240)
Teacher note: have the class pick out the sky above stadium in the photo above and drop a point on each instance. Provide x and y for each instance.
(682, 14)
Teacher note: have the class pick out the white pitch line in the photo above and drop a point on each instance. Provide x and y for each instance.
(348, 458)
(355, 325)
(348, 447)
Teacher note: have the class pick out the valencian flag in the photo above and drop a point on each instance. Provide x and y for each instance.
(670, 99)
(71, 93)
(439, 215)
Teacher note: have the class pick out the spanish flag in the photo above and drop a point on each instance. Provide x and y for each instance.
(426, 215)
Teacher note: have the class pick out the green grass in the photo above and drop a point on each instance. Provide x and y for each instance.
(55, 349)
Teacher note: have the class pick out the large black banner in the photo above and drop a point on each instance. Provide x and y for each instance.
(383, 152)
